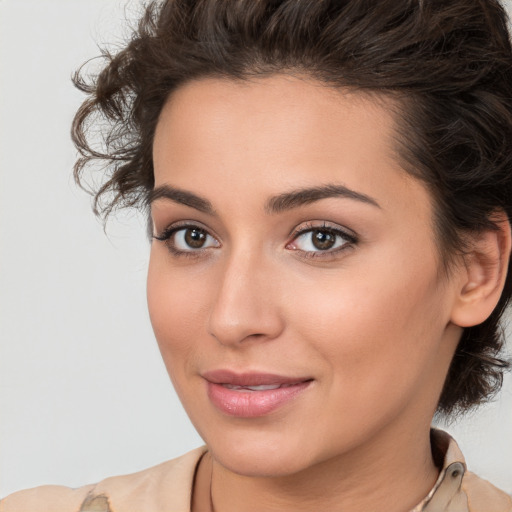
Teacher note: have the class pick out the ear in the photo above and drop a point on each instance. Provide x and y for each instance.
(483, 273)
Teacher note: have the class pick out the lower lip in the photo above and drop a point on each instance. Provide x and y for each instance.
(251, 404)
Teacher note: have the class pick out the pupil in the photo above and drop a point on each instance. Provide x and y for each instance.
(195, 238)
(323, 240)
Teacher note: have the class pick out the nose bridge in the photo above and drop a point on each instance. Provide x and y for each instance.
(246, 303)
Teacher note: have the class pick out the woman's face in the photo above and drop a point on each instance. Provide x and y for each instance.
(294, 285)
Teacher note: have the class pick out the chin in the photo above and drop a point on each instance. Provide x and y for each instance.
(260, 462)
(259, 454)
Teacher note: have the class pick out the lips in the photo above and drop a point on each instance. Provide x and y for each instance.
(250, 395)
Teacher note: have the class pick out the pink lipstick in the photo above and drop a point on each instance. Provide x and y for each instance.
(250, 395)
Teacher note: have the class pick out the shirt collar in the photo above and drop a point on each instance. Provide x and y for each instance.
(446, 495)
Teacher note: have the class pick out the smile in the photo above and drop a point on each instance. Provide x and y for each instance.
(252, 395)
(263, 387)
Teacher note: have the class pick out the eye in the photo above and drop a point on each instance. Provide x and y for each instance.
(192, 238)
(321, 239)
(187, 239)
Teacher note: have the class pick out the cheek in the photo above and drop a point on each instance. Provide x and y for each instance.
(175, 304)
(380, 330)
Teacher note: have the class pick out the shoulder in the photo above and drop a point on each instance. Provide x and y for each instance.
(47, 498)
(483, 496)
(167, 485)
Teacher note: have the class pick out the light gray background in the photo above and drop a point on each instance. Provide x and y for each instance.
(83, 392)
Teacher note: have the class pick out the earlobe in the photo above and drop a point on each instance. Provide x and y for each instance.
(483, 273)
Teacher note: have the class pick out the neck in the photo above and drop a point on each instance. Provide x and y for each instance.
(384, 475)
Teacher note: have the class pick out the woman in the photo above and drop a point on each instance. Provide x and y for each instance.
(329, 189)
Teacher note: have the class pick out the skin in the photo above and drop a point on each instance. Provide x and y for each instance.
(371, 324)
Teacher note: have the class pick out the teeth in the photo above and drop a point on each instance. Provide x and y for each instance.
(264, 387)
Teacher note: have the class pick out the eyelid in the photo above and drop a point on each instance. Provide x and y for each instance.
(351, 239)
(167, 234)
(171, 228)
(328, 226)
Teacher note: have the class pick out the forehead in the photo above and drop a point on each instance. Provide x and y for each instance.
(228, 138)
(278, 113)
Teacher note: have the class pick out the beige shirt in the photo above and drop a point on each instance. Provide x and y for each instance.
(168, 488)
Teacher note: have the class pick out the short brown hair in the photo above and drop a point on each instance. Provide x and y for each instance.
(448, 62)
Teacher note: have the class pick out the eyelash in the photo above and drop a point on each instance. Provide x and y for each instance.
(350, 240)
(170, 231)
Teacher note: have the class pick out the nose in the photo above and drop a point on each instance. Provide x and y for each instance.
(246, 306)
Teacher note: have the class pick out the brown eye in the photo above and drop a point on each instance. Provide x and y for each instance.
(323, 240)
(195, 238)
(187, 239)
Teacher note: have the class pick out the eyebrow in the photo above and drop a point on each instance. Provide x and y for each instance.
(277, 204)
(304, 196)
(181, 197)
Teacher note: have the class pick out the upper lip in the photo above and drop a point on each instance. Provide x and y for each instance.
(249, 378)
